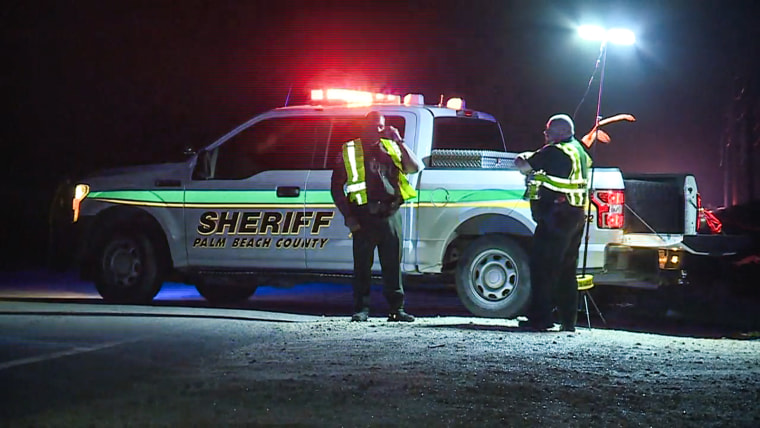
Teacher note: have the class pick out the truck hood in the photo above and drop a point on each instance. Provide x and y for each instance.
(140, 176)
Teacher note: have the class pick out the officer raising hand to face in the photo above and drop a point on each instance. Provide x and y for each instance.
(409, 161)
(368, 186)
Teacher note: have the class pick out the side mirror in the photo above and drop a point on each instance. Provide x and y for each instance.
(202, 170)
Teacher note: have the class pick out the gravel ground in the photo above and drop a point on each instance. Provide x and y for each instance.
(441, 371)
(700, 367)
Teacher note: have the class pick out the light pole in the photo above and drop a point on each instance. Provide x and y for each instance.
(619, 36)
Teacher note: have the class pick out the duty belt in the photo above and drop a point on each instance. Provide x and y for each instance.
(381, 208)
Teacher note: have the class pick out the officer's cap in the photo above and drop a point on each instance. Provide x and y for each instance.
(560, 127)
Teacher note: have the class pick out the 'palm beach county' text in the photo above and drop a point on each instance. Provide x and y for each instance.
(236, 229)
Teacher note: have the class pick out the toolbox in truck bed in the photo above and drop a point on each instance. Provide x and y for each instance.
(454, 158)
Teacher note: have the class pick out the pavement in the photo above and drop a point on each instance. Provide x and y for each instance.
(11, 307)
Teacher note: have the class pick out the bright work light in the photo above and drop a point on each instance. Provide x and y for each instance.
(619, 36)
(592, 32)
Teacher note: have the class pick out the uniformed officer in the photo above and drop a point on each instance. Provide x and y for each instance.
(557, 188)
(368, 186)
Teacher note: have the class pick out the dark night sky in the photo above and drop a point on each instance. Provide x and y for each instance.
(90, 84)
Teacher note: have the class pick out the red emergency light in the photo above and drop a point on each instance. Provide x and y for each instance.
(352, 97)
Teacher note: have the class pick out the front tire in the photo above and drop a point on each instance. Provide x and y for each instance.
(128, 268)
(493, 277)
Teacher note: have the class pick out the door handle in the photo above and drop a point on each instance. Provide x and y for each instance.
(168, 183)
(288, 191)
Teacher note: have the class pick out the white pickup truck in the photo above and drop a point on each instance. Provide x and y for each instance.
(665, 235)
(254, 208)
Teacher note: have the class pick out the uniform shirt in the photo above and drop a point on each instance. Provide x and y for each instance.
(553, 161)
(380, 174)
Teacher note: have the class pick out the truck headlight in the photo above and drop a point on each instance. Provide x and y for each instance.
(80, 192)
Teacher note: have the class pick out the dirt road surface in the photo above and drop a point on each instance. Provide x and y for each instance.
(255, 365)
(437, 371)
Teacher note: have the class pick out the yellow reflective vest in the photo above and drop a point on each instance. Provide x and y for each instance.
(356, 184)
(573, 187)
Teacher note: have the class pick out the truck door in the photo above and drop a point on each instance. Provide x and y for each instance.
(244, 207)
(335, 248)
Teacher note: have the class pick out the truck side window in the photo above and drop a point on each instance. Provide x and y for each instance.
(346, 129)
(272, 144)
(466, 133)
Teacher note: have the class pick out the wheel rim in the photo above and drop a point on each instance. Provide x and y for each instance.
(122, 263)
(494, 275)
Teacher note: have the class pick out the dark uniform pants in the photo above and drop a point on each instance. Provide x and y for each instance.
(553, 264)
(383, 233)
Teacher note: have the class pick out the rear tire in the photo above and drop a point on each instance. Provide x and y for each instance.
(128, 268)
(493, 277)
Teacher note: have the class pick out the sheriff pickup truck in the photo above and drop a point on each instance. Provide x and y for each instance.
(254, 208)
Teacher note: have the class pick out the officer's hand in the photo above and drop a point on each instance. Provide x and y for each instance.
(521, 162)
(525, 155)
(352, 224)
(392, 133)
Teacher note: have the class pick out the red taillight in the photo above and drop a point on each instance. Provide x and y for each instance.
(613, 197)
(609, 208)
(615, 221)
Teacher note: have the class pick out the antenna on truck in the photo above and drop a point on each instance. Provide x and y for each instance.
(287, 98)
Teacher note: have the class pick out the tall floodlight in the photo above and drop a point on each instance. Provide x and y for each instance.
(619, 36)
(604, 36)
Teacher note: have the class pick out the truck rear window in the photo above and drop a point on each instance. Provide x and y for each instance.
(466, 133)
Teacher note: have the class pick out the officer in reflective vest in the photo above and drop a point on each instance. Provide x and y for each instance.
(556, 181)
(368, 187)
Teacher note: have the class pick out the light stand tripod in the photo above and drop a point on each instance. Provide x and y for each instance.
(586, 282)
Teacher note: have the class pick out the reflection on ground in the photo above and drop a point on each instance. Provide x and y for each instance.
(683, 315)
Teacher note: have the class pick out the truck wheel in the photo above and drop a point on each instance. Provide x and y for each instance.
(493, 277)
(222, 294)
(127, 268)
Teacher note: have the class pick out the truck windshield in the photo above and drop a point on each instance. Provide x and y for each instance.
(466, 133)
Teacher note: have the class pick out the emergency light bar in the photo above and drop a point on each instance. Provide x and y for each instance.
(414, 99)
(364, 98)
(353, 97)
